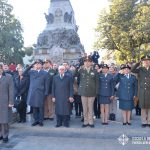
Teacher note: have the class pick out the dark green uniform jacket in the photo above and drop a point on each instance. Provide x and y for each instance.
(144, 85)
(89, 84)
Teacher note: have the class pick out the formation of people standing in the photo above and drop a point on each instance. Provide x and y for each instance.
(90, 88)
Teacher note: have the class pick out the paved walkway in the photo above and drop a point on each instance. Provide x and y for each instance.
(25, 137)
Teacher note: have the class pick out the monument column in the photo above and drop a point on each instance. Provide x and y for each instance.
(59, 41)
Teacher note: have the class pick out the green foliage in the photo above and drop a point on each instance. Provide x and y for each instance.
(28, 51)
(11, 40)
(125, 29)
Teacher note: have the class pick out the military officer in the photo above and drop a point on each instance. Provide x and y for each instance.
(106, 92)
(38, 91)
(88, 89)
(127, 90)
(144, 88)
(49, 110)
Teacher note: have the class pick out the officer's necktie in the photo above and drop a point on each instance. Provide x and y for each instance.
(61, 76)
(127, 76)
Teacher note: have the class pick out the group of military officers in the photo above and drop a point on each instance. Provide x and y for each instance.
(49, 89)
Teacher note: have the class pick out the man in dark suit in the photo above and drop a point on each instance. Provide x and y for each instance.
(62, 93)
(38, 90)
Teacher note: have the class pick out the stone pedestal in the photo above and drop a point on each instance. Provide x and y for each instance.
(59, 41)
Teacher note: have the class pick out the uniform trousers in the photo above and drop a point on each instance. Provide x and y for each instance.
(4, 130)
(145, 116)
(87, 103)
(49, 107)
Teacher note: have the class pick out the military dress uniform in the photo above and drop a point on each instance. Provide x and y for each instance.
(38, 90)
(49, 107)
(144, 90)
(126, 91)
(88, 89)
(106, 88)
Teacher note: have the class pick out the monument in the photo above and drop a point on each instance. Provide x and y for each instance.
(59, 41)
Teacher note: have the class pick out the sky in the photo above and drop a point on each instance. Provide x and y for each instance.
(31, 15)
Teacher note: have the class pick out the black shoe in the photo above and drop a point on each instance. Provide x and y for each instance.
(103, 123)
(24, 121)
(111, 117)
(29, 112)
(106, 123)
(58, 125)
(45, 118)
(1, 138)
(148, 125)
(82, 120)
(5, 140)
(77, 114)
(41, 124)
(35, 123)
(91, 125)
(19, 121)
(124, 123)
(84, 125)
(144, 125)
(67, 125)
(51, 119)
(129, 123)
(114, 118)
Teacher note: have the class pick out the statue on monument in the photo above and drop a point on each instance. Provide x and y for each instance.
(68, 17)
(59, 41)
(49, 18)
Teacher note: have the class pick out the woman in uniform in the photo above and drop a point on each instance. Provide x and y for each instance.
(106, 92)
(127, 90)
